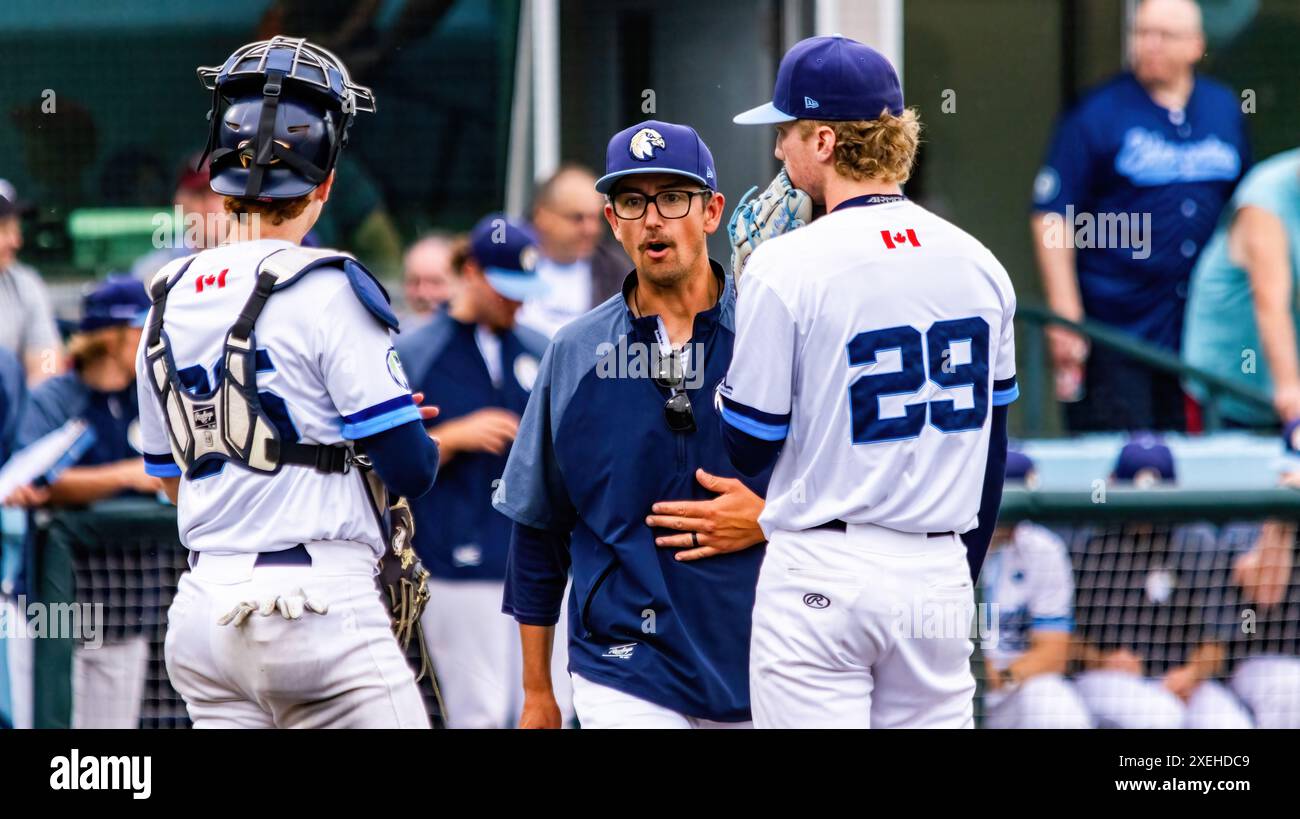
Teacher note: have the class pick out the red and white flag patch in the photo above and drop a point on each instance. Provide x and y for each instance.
(218, 281)
(895, 238)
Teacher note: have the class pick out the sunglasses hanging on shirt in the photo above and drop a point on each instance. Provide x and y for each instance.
(670, 373)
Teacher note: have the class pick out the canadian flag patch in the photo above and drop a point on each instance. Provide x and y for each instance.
(218, 281)
(895, 238)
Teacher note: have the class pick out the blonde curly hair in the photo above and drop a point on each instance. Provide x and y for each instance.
(883, 149)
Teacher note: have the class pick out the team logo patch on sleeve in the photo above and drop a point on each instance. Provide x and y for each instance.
(395, 369)
(1046, 185)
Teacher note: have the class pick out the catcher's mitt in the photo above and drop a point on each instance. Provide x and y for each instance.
(779, 209)
(404, 579)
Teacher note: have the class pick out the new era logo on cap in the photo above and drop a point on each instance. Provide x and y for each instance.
(839, 78)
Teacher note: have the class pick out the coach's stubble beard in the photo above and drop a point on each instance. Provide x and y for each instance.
(671, 271)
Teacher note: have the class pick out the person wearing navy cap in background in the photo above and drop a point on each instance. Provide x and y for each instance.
(875, 359)
(621, 422)
(1145, 461)
(100, 389)
(1028, 584)
(1153, 613)
(1156, 151)
(108, 680)
(478, 366)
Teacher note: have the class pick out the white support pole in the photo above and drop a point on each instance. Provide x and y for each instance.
(1130, 12)
(878, 23)
(546, 87)
(826, 17)
(519, 179)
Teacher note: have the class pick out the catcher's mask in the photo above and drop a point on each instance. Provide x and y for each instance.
(281, 109)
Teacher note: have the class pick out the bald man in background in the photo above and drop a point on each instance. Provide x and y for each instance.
(580, 262)
(1155, 153)
(428, 280)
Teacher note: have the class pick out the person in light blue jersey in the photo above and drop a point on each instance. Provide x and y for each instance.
(1242, 311)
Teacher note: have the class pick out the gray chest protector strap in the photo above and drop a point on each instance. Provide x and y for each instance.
(228, 423)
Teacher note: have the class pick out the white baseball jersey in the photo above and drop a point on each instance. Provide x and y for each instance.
(1029, 586)
(874, 342)
(327, 372)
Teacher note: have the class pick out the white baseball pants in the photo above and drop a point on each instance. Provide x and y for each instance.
(341, 669)
(1042, 701)
(1119, 699)
(1270, 685)
(108, 684)
(477, 656)
(862, 628)
(600, 706)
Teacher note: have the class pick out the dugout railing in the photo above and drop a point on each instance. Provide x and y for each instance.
(1035, 401)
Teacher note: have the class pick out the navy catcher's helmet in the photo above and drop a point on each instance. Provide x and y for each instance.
(281, 109)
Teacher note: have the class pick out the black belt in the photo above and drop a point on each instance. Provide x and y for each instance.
(297, 556)
(838, 525)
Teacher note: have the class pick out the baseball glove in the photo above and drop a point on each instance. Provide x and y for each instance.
(404, 578)
(779, 209)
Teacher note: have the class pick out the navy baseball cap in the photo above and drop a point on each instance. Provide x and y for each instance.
(507, 251)
(1145, 459)
(1020, 468)
(658, 147)
(830, 78)
(117, 301)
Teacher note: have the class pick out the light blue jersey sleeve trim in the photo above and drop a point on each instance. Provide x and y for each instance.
(1065, 624)
(756, 429)
(1003, 397)
(381, 423)
(161, 466)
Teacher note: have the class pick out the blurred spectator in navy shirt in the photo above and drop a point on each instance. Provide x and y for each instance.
(1131, 190)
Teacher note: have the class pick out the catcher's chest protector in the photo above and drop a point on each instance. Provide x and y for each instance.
(228, 423)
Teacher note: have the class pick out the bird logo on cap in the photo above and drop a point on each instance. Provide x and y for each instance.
(644, 142)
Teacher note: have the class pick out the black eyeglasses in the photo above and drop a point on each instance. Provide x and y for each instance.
(670, 204)
(671, 374)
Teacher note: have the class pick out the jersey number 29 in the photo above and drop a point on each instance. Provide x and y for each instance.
(932, 353)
